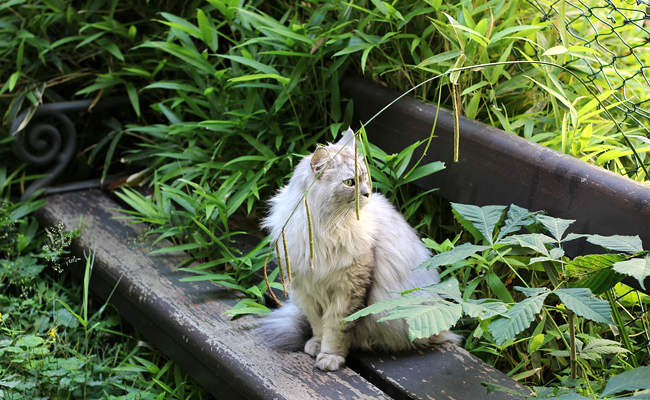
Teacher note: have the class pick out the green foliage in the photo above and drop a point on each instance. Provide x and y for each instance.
(504, 324)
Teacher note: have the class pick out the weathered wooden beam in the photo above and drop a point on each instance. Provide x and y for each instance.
(185, 319)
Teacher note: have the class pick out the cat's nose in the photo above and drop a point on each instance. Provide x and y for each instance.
(364, 192)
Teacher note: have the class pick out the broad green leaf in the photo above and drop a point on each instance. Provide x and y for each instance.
(483, 218)
(379, 307)
(520, 317)
(484, 308)
(555, 226)
(447, 288)
(582, 302)
(595, 271)
(534, 241)
(638, 378)
(427, 320)
(604, 346)
(627, 244)
(516, 218)
(29, 341)
(638, 268)
(452, 256)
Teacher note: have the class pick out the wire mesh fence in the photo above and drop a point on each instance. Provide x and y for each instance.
(613, 38)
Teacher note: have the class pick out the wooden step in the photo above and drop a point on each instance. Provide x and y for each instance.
(186, 321)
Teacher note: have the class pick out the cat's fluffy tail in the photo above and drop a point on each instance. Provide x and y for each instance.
(286, 328)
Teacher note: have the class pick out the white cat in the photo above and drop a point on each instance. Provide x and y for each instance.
(356, 262)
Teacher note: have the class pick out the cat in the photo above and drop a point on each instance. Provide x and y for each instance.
(356, 262)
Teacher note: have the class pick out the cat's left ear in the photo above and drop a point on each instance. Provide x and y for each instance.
(319, 159)
(347, 139)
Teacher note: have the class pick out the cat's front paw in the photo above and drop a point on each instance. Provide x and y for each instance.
(329, 362)
(312, 347)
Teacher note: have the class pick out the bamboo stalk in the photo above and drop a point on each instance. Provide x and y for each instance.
(573, 359)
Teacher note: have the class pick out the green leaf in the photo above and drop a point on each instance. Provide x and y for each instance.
(447, 288)
(519, 316)
(553, 51)
(133, 97)
(427, 320)
(280, 79)
(208, 33)
(379, 307)
(555, 226)
(582, 302)
(247, 306)
(638, 378)
(627, 244)
(29, 341)
(595, 271)
(438, 58)
(534, 241)
(452, 256)
(483, 308)
(516, 218)
(638, 268)
(483, 218)
(499, 289)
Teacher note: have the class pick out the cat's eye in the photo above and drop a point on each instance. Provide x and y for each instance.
(349, 182)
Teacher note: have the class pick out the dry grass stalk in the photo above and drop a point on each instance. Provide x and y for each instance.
(356, 176)
(266, 279)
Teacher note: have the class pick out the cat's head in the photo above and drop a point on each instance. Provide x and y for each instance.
(333, 167)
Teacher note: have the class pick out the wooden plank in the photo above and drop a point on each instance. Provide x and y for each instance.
(445, 372)
(496, 167)
(185, 319)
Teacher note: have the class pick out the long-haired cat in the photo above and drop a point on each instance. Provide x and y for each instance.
(356, 262)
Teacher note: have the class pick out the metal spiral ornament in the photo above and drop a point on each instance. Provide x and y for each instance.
(48, 138)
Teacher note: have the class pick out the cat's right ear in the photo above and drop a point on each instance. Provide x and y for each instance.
(319, 159)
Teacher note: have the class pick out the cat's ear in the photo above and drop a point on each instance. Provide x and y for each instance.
(347, 139)
(319, 159)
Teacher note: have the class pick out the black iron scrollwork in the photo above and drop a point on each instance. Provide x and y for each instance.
(49, 137)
